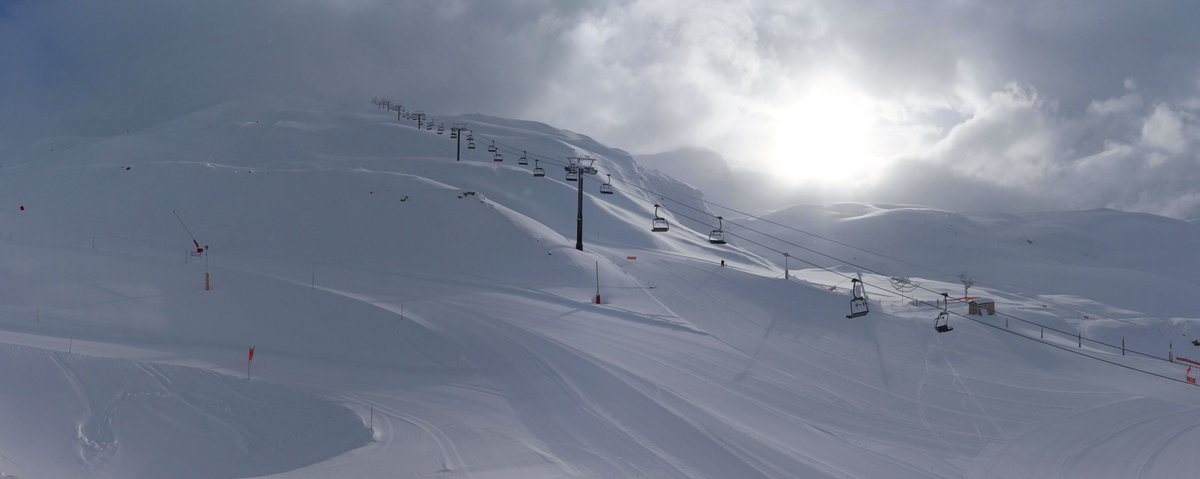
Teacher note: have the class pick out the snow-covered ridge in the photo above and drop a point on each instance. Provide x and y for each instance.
(422, 317)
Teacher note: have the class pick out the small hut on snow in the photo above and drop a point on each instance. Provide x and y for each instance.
(979, 305)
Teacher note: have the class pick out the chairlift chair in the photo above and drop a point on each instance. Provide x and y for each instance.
(942, 323)
(429, 126)
(492, 147)
(441, 127)
(538, 171)
(497, 157)
(454, 133)
(523, 161)
(572, 173)
(607, 189)
(859, 305)
(717, 236)
(659, 224)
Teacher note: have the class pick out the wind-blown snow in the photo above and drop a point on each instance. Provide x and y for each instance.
(407, 328)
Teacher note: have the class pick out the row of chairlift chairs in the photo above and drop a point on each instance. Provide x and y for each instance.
(860, 306)
(859, 303)
(658, 224)
(538, 171)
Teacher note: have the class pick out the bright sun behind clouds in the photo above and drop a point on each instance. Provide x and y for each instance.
(824, 134)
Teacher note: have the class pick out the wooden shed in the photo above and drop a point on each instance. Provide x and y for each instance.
(979, 305)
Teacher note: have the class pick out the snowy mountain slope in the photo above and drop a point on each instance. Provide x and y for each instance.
(1132, 261)
(83, 416)
(461, 329)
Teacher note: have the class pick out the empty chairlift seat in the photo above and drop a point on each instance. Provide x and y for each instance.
(659, 224)
(859, 304)
(717, 236)
(941, 323)
(607, 189)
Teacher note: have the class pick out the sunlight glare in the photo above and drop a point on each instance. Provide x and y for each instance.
(824, 135)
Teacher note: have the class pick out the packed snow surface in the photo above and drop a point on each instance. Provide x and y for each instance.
(414, 316)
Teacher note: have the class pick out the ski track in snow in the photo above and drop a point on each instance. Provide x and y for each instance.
(465, 323)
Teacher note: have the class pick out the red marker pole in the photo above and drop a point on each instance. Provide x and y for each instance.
(248, 361)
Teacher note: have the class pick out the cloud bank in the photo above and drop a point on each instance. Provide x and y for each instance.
(959, 104)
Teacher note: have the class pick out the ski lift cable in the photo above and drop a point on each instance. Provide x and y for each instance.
(844, 244)
(899, 260)
(708, 213)
(514, 149)
(871, 270)
(1059, 346)
(741, 237)
(530, 154)
(975, 320)
(924, 288)
(902, 284)
(864, 250)
(555, 161)
(189, 232)
(922, 302)
(765, 220)
(878, 273)
(834, 241)
(927, 289)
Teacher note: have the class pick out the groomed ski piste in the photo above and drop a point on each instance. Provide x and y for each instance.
(417, 316)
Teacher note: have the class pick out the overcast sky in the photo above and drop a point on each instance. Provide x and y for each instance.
(964, 104)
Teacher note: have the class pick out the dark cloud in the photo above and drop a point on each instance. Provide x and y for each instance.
(1073, 104)
(87, 67)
